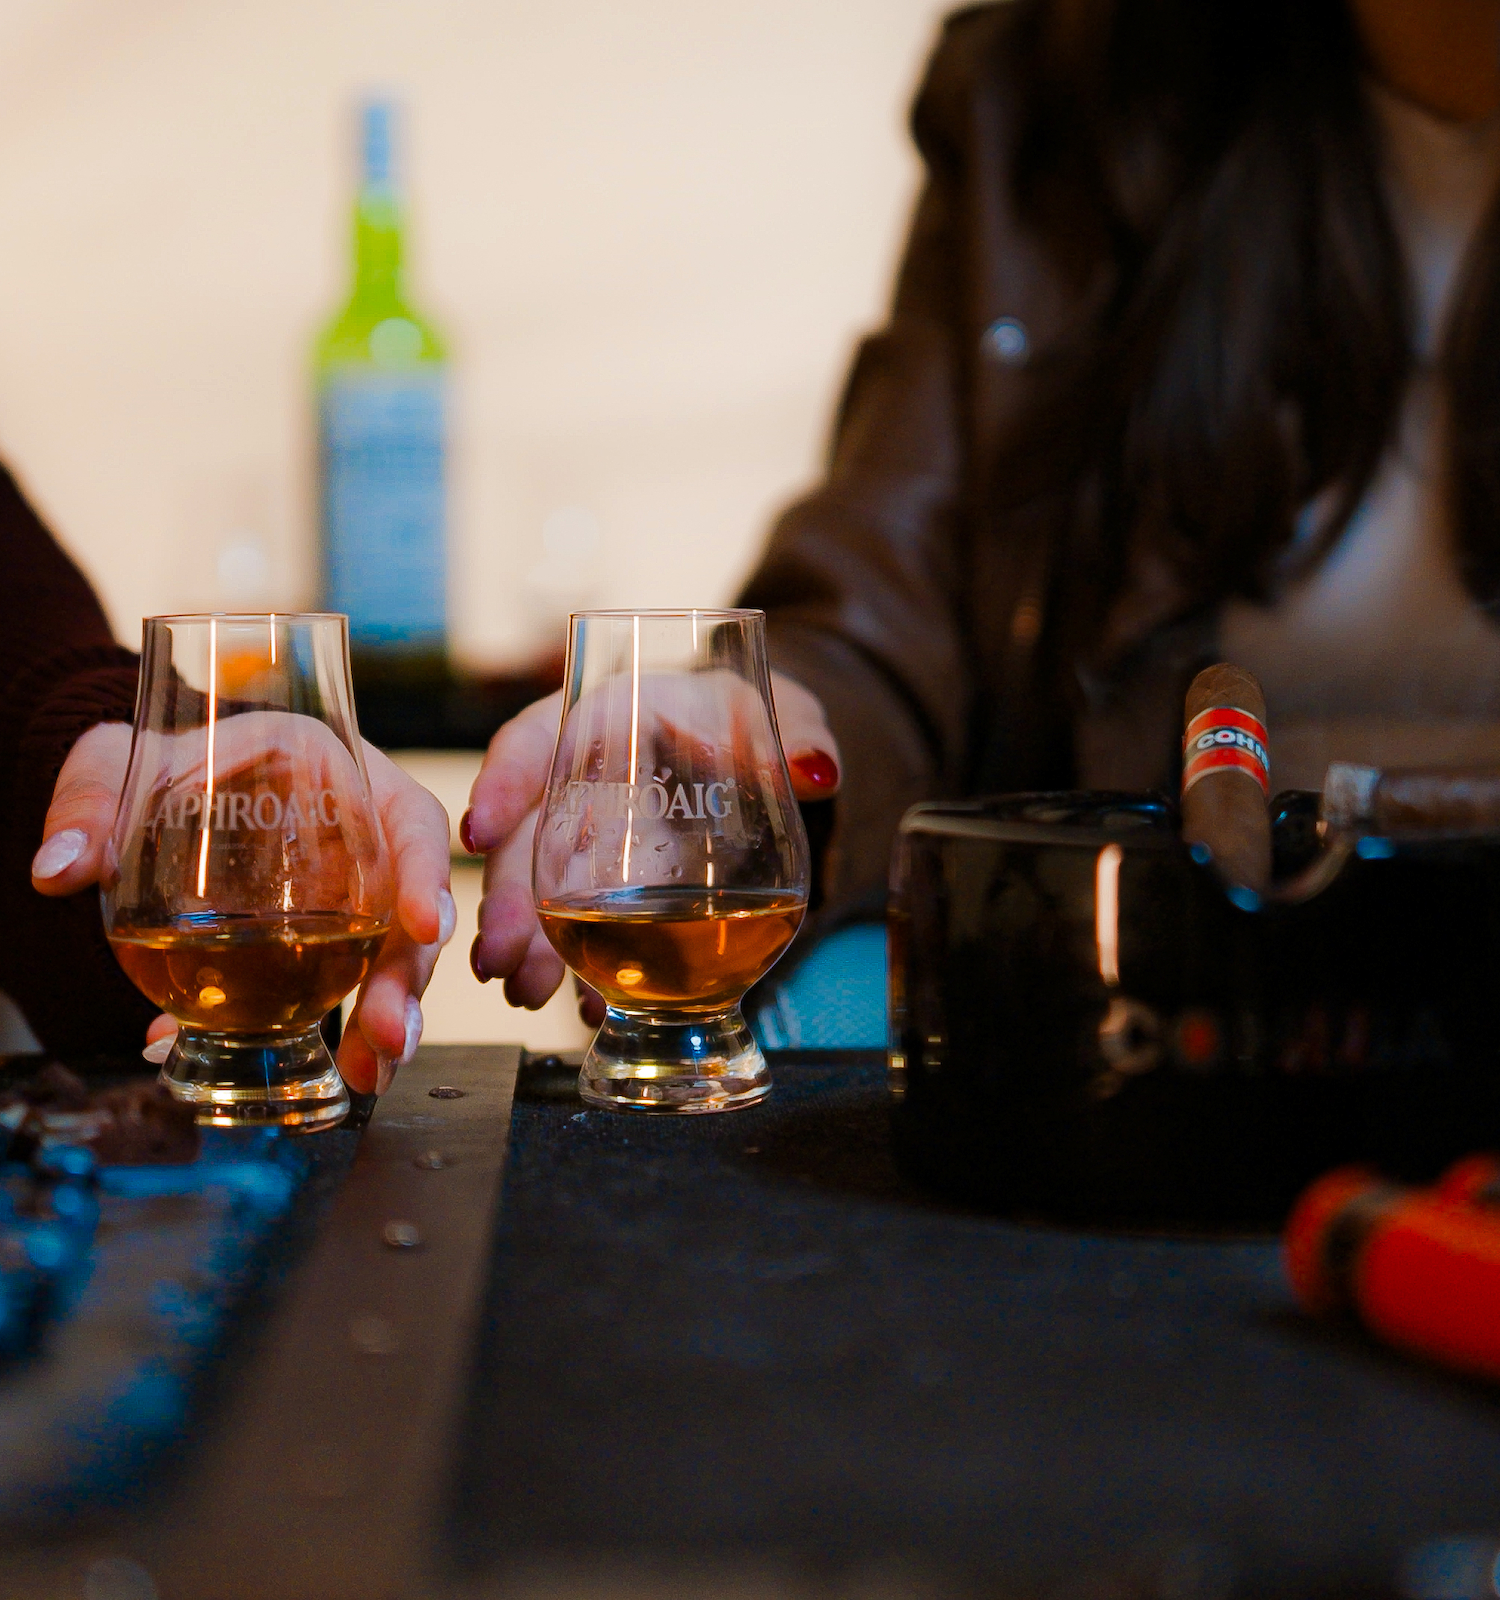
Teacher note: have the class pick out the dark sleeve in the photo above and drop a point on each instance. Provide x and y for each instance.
(860, 579)
(60, 674)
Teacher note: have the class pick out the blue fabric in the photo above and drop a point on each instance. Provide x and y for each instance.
(833, 999)
(139, 1310)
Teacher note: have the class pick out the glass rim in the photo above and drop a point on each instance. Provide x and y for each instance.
(669, 613)
(247, 616)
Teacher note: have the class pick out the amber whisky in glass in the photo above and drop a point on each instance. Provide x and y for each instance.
(251, 886)
(671, 863)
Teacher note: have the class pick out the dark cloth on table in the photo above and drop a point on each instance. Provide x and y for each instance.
(60, 673)
(740, 1347)
(898, 592)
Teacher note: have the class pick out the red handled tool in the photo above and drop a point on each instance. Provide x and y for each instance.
(1419, 1268)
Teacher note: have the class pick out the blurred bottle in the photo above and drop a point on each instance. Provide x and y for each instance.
(382, 407)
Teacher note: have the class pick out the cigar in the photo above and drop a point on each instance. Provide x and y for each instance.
(1412, 799)
(1226, 774)
(1418, 1268)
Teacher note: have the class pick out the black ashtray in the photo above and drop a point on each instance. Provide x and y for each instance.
(1087, 1025)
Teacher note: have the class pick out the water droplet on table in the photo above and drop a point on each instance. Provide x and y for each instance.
(374, 1336)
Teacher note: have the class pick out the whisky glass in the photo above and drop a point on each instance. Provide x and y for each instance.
(249, 885)
(671, 865)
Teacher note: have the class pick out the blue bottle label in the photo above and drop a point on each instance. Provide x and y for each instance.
(383, 505)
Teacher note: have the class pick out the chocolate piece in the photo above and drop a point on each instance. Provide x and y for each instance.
(144, 1126)
(56, 1088)
(131, 1124)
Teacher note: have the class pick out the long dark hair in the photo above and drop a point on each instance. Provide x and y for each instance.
(1208, 174)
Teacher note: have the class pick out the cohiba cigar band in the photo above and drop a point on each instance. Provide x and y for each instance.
(1224, 737)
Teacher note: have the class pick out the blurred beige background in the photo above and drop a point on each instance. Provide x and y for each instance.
(650, 228)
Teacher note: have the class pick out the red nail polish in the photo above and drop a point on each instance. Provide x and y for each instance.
(817, 769)
(466, 832)
(474, 966)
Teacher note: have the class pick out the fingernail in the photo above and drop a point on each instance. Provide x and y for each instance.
(413, 1029)
(474, 966)
(59, 853)
(466, 832)
(385, 1071)
(447, 916)
(816, 768)
(159, 1049)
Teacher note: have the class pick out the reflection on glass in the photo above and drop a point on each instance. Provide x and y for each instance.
(671, 862)
(250, 887)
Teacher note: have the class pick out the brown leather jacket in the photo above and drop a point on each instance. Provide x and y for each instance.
(896, 591)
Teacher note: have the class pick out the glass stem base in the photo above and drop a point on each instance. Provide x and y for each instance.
(667, 1063)
(285, 1080)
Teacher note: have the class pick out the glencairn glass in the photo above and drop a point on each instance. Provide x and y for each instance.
(250, 885)
(671, 864)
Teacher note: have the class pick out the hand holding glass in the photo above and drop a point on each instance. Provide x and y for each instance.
(671, 864)
(251, 886)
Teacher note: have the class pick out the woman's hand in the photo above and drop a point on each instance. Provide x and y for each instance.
(500, 824)
(387, 1019)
